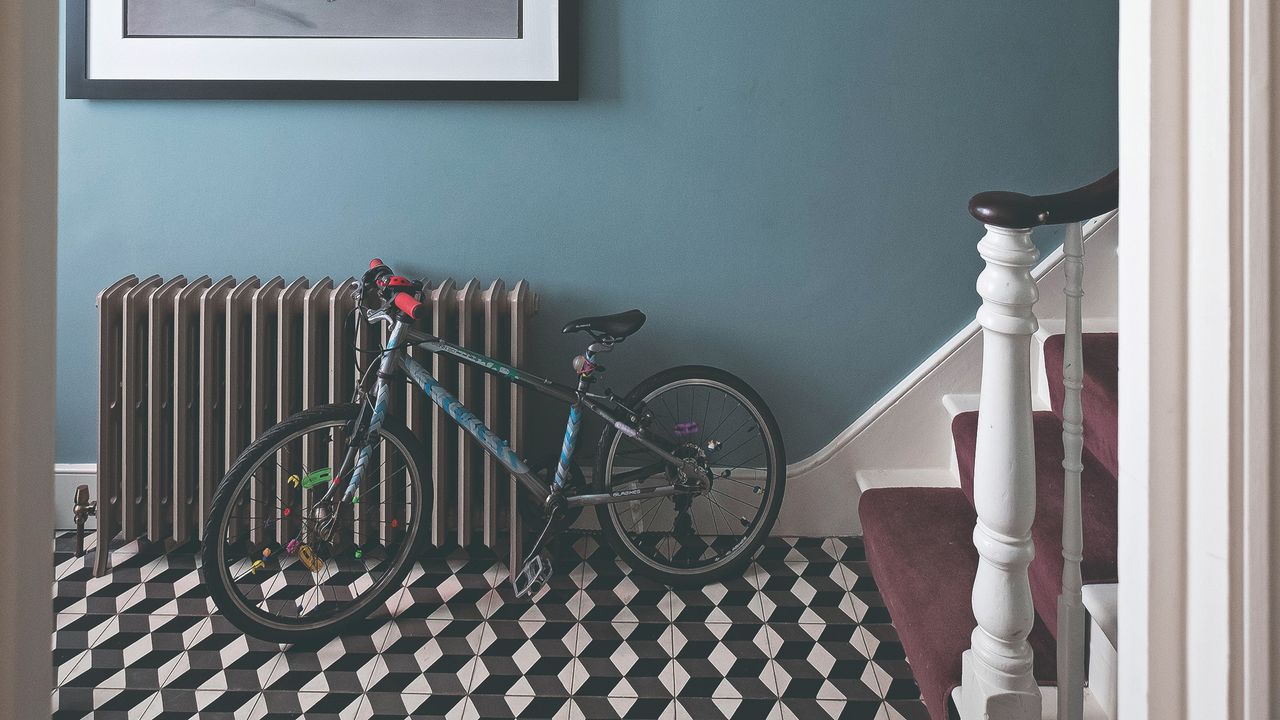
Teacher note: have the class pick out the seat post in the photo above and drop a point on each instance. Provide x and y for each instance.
(598, 348)
(585, 366)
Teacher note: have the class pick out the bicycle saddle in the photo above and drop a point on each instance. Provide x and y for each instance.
(616, 326)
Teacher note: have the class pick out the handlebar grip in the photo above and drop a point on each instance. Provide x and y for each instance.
(408, 304)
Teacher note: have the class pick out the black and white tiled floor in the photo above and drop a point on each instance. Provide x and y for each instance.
(802, 634)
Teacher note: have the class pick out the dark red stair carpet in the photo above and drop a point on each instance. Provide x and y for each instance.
(1099, 396)
(1097, 507)
(919, 543)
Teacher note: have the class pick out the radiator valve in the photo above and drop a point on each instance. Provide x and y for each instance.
(82, 510)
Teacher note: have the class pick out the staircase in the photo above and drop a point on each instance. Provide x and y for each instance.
(920, 536)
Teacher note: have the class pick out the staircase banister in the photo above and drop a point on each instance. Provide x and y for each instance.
(1015, 210)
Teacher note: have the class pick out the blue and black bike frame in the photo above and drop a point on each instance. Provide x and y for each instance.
(395, 358)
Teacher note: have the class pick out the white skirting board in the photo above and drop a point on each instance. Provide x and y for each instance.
(910, 427)
(1093, 709)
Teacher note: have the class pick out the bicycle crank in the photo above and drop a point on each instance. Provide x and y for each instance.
(535, 571)
(533, 575)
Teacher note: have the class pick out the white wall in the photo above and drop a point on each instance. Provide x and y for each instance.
(28, 235)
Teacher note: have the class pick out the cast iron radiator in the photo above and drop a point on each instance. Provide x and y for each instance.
(191, 371)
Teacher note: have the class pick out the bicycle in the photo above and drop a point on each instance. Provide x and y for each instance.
(320, 519)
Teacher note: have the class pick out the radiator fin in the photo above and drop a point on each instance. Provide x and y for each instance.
(191, 372)
(184, 354)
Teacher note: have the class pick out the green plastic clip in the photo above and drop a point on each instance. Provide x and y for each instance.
(319, 477)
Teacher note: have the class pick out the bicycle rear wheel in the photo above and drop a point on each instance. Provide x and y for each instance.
(712, 419)
(283, 562)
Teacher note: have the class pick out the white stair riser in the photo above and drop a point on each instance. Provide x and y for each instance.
(1103, 670)
(1100, 601)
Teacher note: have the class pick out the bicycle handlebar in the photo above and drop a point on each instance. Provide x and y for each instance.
(394, 290)
(408, 304)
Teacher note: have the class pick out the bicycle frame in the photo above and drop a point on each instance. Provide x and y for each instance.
(396, 358)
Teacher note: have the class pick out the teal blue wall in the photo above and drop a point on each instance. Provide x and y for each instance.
(781, 186)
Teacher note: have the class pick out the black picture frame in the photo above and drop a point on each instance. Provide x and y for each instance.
(79, 86)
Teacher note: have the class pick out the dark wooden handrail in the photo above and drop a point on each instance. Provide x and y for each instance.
(1015, 210)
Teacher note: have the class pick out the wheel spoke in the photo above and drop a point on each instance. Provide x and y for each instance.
(265, 571)
(704, 534)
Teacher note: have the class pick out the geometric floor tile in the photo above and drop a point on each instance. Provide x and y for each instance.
(400, 705)
(615, 708)
(525, 659)
(801, 633)
(723, 661)
(624, 660)
(736, 599)
(808, 592)
(824, 662)
(521, 706)
(276, 704)
(612, 593)
(723, 708)
(426, 657)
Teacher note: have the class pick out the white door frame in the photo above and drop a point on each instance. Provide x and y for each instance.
(28, 235)
(1196, 328)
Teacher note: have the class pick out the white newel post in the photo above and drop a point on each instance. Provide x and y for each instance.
(997, 679)
(1071, 630)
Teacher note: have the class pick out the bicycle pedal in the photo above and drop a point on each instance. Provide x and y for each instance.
(533, 575)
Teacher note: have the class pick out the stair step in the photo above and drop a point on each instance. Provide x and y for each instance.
(957, 403)
(1048, 327)
(1093, 709)
(1104, 658)
(1098, 505)
(919, 543)
(909, 477)
(1099, 396)
(1102, 603)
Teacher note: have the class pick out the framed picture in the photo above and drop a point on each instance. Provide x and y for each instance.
(323, 49)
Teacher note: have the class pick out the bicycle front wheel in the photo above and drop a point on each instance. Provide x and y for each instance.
(287, 560)
(714, 420)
